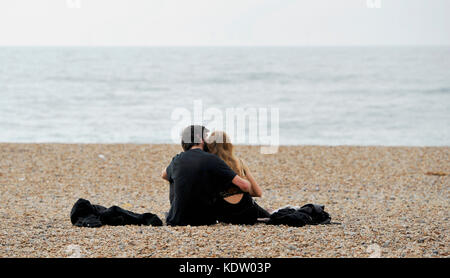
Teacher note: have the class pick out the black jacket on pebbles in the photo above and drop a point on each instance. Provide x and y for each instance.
(84, 214)
(309, 214)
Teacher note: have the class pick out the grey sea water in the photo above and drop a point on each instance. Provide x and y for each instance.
(325, 95)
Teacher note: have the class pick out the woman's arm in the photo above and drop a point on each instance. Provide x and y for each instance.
(255, 189)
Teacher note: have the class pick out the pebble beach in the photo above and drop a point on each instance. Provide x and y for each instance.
(389, 201)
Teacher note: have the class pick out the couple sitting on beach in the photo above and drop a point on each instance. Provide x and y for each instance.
(208, 183)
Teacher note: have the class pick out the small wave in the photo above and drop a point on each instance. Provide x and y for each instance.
(249, 77)
(439, 90)
(91, 79)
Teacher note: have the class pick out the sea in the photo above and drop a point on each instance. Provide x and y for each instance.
(391, 96)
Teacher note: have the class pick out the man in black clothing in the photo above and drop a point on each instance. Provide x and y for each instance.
(196, 178)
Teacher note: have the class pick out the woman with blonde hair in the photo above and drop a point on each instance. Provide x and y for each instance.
(235, 206)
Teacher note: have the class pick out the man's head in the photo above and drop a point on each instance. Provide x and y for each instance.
(193, 135)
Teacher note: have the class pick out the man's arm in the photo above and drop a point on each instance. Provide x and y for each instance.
(224, 174)
(243, 184)
(164, 175)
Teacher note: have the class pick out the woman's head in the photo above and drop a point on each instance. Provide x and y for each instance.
(219, 143)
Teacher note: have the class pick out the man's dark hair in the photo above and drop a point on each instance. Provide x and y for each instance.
(192, 136)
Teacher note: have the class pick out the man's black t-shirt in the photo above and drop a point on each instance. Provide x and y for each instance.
(196, 179)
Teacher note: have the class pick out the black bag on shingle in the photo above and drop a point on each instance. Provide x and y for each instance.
(309, 214)
(84, 214)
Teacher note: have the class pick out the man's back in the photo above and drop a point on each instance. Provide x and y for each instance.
(196, 178)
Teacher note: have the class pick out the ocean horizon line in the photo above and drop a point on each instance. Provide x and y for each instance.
(229, 46)
(237, 145)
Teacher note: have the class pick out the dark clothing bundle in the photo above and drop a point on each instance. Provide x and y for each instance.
(247, 211)
(196, 180)
(309, 214)
(84, 214)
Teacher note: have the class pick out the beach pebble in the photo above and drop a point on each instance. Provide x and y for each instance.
(381, 195)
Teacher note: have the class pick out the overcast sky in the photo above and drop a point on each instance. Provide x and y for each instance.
(224, 22)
